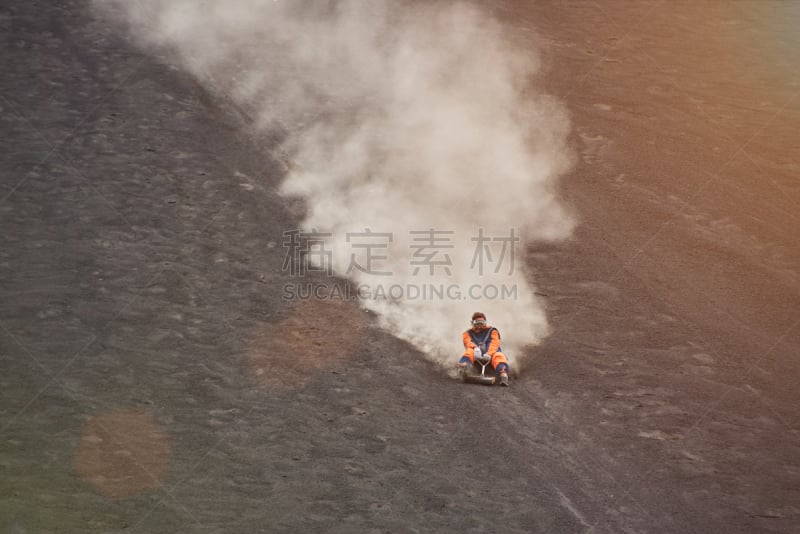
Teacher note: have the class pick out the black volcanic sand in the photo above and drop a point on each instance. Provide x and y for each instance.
(153, 380)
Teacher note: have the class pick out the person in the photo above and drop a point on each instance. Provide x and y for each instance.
(487, 338)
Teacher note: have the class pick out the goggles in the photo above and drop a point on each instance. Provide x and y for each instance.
(477, 322)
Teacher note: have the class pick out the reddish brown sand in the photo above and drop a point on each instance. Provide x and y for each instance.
(140, 291)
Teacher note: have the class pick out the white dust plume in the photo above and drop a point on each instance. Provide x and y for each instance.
(420, 122)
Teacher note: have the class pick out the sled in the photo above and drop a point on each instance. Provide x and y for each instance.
(472, 375)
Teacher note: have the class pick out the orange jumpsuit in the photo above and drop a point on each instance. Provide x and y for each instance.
(491, 346)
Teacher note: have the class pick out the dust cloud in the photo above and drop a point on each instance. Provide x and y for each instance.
(416, 136)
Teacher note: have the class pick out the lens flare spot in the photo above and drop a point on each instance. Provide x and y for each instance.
(315, 336)
(123, 453)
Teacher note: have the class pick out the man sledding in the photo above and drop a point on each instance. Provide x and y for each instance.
(482, 348)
